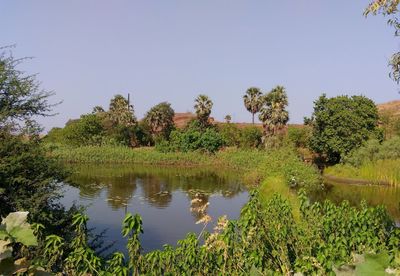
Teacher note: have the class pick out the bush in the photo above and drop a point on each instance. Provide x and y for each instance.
(373, 150)
(250, 137)
(299, 136)
(230, 133)
(192, 139)
(86, 131)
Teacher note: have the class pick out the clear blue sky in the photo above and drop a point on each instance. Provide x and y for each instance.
(87, 51)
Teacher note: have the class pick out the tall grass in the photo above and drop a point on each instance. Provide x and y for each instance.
(377, 172)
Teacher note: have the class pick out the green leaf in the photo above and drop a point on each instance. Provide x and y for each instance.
(19, 229)
(24, 235)
(15, 219)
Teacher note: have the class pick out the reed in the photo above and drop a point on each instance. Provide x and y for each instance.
(381, 172)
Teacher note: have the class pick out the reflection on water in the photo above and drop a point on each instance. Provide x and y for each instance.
(170, 200)
(373, 195)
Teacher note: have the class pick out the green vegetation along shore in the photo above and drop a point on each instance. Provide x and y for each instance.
(257, 164)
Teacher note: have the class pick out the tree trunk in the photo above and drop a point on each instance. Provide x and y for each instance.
(253, 118)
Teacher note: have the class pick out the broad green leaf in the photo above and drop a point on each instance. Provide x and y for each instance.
(15, 219)
(24, 235)
(19, 229)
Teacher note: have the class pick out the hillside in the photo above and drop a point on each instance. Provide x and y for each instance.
(392, 107)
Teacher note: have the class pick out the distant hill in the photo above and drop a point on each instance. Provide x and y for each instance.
(392, 107)
(181, 119)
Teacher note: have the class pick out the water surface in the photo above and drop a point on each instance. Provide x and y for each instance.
(169, 199)
(373, 194)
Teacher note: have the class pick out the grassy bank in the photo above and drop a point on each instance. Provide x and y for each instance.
(257, 165)
(244, 159)
(383, 172)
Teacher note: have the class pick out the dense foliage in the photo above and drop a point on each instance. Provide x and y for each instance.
(193, 138)
(374, 150)
(21, 96)
(28, 177)
(266, 239)
(374, 162)
(160, 119)
(242, 137)
(117, 126)
(299, 136)
(342, 124)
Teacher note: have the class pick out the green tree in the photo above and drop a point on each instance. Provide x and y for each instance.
(160, 119)
(388, 8)
(341, 124)
(203, 106)
(274, 115)
(21, 96)
(253, 101)
(28, 177)
(88, 130)
(121, 113)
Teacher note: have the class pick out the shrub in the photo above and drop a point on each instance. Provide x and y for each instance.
(250, 137)
(192, 139)
(88, 130)
(230, 133)
(299, 136)
(373, 150)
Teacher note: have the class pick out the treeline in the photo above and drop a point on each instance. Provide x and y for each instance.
(118, 125)
(338, 126)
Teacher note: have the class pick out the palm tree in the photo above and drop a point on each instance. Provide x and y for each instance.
(203, 106)
(160, 119)
(120, 112)
(274, 115)
(253, 100)
(228, 118)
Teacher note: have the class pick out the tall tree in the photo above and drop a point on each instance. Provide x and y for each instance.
(273, 114)
(121, 113)
(28, 177)
(253, 101)
(21, 96)
(160, 119)
(203, 106)
(341, 124)
(389, 8)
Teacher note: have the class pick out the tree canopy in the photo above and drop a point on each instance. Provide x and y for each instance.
(253, 101)
(21, 96)
(203, 106)
(341, 124)
(160, 119)
(273, 113)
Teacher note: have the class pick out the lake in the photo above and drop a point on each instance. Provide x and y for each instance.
(169, 199)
